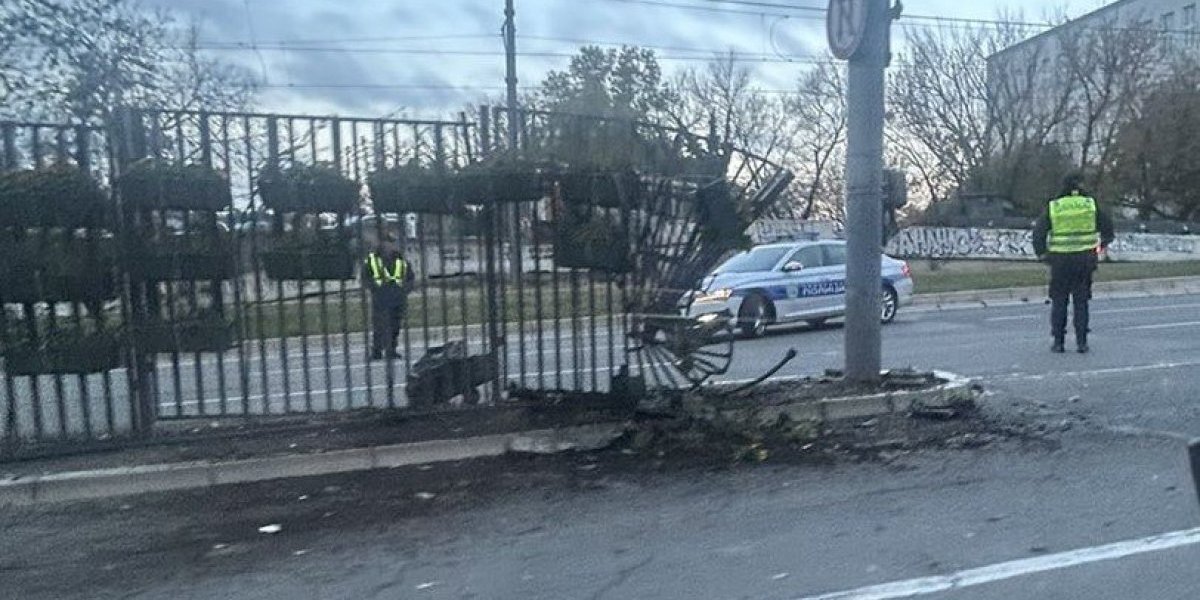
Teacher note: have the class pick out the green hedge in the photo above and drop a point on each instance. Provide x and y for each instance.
(192, 257)
(159, 185)
(602, 188)
(413, 190)
(316, 188)
(210, 333)
(598, 244)
(67, 351)
(55, 196)
(56, 268)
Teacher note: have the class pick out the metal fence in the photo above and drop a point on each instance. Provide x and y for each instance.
(239, 296)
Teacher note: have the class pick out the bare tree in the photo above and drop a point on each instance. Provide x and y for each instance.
(83, 59)
(1155, 152)
(965, 95)
(817, 110)
(1109, 67)
(723, 100)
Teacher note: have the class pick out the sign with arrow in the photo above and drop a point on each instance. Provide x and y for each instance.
(845, 26)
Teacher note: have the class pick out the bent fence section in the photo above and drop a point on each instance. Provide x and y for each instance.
(189, 265)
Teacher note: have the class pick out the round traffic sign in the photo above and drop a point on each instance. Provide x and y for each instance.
(845, 26)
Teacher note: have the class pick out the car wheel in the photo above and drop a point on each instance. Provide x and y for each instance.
(890, 304)
(754, 316)
(816, 323)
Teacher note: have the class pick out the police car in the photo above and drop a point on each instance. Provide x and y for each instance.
(792, 282)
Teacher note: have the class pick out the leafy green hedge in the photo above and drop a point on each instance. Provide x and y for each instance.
(603, 188)
(203, 333)
(309, 255)
(160, 185)
(55, 196)
(411, 189)
(598, 244)
(309, 189)
(56, 268)
(66, 351)
(190, 257)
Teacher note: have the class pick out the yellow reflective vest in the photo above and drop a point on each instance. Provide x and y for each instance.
(1073, 225)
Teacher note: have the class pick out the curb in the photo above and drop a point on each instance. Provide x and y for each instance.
(110, 483)
(1138, 288)
(956, 391)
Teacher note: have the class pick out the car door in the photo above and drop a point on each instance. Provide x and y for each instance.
(803, 284)
(835, 266)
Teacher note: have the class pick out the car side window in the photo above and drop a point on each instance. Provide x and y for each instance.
(809, 256)
(835, 255)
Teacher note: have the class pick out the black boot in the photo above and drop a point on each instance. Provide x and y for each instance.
(1081, 346)
(1059, 347)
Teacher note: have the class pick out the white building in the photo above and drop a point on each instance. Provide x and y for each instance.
(1031, 79)
(1176, 20)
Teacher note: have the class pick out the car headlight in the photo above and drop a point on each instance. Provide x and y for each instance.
(720, 295)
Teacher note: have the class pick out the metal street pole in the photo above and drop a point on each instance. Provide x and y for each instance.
(864, 193)
(510, 80)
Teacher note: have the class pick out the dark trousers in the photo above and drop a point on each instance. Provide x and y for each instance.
(386, 320)
(1070, 283)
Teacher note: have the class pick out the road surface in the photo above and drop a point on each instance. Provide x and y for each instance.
(1081, 516)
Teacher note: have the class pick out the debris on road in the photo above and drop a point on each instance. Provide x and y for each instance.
(270, 529)
(425, 496)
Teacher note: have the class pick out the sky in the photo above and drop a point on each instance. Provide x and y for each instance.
(431, 58)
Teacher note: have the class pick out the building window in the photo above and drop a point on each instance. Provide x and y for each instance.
(1167, 25)
(1189, 24)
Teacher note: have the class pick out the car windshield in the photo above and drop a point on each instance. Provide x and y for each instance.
(758, 259)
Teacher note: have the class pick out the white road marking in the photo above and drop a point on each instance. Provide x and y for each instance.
(1014, 318)
(925, 586)
(318, 392)
(1163, 326)
(1111, 311)
(1111, 371)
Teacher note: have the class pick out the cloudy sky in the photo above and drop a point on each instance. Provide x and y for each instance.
(425, 58)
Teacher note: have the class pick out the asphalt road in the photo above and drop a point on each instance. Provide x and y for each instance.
(1069, 518)
(1006, 343)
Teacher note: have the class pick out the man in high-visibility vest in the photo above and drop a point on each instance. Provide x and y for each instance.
(389, 276)
(1068, 236)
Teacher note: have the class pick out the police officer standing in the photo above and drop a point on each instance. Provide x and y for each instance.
(1068, 236)
(388, 275)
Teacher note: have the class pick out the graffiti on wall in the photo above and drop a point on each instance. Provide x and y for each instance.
(1017, 244)
(961, 242)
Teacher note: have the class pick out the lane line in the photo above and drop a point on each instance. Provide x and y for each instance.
(1111, 311)
(925, 586)
(1110, 371)
(1163, 326)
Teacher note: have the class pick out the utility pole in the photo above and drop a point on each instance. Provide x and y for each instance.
(513, 229)
(510, 80)
(859, 31)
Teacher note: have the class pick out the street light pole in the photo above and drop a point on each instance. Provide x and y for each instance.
(864, 194)
(510, 80)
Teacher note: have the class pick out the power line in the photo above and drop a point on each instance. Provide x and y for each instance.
(735, 56)
(253, 40)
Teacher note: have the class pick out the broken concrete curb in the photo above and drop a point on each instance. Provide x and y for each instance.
(956, 391)
(125, 481)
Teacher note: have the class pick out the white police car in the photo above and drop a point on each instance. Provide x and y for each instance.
(792, 282)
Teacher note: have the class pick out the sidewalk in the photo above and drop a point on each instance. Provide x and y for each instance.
(388, 440)
(209, 456)
(1139, 288)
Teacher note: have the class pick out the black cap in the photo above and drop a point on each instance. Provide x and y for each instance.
(1073, 183)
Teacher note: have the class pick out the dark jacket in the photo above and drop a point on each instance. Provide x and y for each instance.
(388, 293)
(1041, 230)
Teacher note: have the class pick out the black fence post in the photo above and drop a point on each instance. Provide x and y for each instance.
(129, 137)
(1194, 456)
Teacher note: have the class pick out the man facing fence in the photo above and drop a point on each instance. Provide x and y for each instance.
(389, 276)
